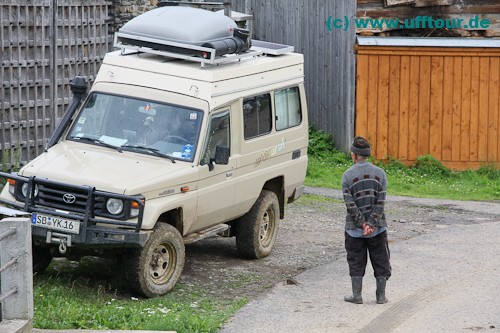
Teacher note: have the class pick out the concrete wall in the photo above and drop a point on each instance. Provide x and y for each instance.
(17, 309)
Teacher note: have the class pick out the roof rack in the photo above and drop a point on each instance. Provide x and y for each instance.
(195, 53)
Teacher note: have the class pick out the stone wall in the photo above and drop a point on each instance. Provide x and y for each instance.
(125, 10)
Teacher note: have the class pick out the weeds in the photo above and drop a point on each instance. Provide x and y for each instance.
(84, 296)
(427, 178)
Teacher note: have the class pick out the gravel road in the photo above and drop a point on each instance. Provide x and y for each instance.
(312, 234)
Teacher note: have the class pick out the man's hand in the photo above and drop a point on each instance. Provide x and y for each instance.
(367, 230)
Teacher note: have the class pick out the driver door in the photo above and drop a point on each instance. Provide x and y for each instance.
(216, 188)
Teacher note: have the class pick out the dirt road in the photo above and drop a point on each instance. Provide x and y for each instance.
(312, 234)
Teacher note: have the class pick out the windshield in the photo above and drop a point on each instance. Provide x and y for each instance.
(138, 125)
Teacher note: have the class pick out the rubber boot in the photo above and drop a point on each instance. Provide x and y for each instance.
(381, 281)
(357, 287)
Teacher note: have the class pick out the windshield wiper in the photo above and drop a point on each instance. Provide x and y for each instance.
(150, 150)
(100, 142)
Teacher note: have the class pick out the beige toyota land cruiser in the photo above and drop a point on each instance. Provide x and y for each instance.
(182, 135)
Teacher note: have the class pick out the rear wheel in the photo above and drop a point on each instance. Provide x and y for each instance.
(155, 269)
(256, 231)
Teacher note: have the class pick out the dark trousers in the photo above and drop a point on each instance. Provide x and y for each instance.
(358, 250)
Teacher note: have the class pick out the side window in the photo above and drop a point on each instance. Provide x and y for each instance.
(288, 111)
(257, 115)
(218, 135)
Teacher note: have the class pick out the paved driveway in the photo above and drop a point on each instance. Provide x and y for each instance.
(445, 281)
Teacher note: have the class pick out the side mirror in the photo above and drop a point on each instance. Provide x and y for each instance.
(221, 157)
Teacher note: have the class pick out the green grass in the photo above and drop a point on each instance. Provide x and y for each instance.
(312, 200)
(85, 296)
(428, 178)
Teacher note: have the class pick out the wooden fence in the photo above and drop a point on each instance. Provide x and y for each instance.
(43, 45)
(329, 55)
(442, 101)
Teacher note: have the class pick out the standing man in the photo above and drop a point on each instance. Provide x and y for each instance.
(364, 187)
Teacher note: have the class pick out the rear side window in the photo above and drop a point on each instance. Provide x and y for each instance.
(287, 105)
(257, 115)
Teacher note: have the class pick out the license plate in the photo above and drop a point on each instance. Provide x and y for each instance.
(55, 223)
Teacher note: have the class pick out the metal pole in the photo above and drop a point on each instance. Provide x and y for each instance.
(227, 8)
(53, 66)
(0, 290)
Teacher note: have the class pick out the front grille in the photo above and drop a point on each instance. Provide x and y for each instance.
(89, 205)
(52, 195)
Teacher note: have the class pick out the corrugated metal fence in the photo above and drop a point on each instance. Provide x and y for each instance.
(44, 44)
(329, 55)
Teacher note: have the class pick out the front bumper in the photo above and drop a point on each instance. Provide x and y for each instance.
(94, 231)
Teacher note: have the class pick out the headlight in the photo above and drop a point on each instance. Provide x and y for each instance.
(24, 190)
(114, 206)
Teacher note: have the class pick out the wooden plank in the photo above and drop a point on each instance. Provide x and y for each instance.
(436, 108)
(447, 109)
(457, 108)
(474, 110)
(498, 134)
(398, 2)
(466, 109)
(404, 106)
(371, 133)
(459, 165)
(382, 108)
(394, 88)
(402, 12)
(429, 51)
(414, 107)
(494, 110)
(427, 3)
(362, 95)
(424, 105)
(484, 76)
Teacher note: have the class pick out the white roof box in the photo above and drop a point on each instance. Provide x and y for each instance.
(191, 34)
(180, 25)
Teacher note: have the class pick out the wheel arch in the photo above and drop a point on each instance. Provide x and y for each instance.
(174, 217)
(276, 185)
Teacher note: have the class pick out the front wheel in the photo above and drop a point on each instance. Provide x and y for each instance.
(155, 269)
(42, 256)
(256, 231)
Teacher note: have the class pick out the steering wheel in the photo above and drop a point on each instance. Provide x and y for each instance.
(176, 138)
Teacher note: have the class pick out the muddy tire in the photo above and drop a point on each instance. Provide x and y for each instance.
(256, 231)
(155, 269)
(42, 256)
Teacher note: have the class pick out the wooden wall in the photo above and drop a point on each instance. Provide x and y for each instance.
(440, 101)
(329, 55)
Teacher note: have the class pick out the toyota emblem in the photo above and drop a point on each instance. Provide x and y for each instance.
(69, 198)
